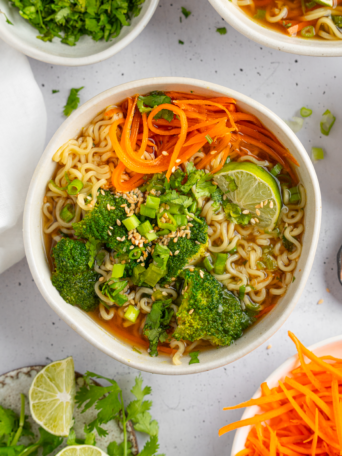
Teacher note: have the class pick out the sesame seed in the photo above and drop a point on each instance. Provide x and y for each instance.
(245, 211)
(118, 222)
(110, 227)
(269, 347)
(108, 206)
(271, 204)
(197, 242)
(178, 160)
(109, 233)
(164, 293)
(102, 193)
(123, 205)
(212, 153)
(101, 279)
(176, 252)
(256, 220)
(131, 247)
(175, 239)
(164, 153)
(123, 238)
(252, 221)
(118, 239)
(257, 212)
(320, 301)
(265, 202)
(261, 204)
(173, 169)
(257, 206)
(201, 273)
(328, 290)
(191, 311)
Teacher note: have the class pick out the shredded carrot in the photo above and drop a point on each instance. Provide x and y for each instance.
(298, 27)
(303, 420)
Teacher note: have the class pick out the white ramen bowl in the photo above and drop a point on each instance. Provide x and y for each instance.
(332, 346)
(276, 40)
(86, 326)
(23, 37)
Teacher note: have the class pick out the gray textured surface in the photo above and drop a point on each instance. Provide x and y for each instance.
(189, 408)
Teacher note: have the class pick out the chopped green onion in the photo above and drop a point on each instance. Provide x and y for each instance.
(317, 153)
(172, 226)
(145, 228)
(296, 124)
(305, 112)
(67, 213)
(294, 194)
(163, 232)
(260, 265)
(151, 236)
(220, 263)
(308, 32)
(337, 20)
(180, 42)
(260, 14)
(209, 139)
(285, 177)
(75, 187)
(232, 251)
(153, 274)
(252, 306)
(276, 169)
(327, 122)
(193, 207)
(208, 264)
(138, 275)
(242, 291)
(181, 220)
(152, 202)
(310, 5)
(131, 313)
(147, 211)
(131, 222)
(161, 255)
(135, 253)
(118, 271)
(227, 161)
(194, 357)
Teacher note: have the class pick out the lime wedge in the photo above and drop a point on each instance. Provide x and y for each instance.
(52, 397)
(81, 450)
(257, 191)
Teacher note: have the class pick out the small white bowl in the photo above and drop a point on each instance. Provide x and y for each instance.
(267, 37)
(332, 346)
(79, 320)
(23, 37)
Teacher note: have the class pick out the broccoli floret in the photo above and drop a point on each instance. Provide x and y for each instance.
(73, 278)
(209, 311)
(190, 250)
(99, 222)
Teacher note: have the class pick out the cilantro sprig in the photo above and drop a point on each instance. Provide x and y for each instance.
(108, 401)
(72, 102)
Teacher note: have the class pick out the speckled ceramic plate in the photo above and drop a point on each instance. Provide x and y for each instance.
(19, 381)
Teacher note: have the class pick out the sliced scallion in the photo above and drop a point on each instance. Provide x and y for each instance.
(75, 187)
(135, 253)
(220, 263)
(308, 31)
(209, 139)
(317, 154)
(327, 122)
(147, 211)
(242, 291)
(305, 112)
(145, 228)
(152, 202)
(67, 213)
(260, 14)
(296, 124)
(208, 264)
(294, 195)
(131, 314)
(118, 271)
(181, 219)
(131, 222)
(276, 169)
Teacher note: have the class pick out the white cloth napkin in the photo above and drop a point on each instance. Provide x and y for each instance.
(22, 136)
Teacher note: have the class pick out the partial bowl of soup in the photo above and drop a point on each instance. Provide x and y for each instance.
(173, 224)
(306, 27)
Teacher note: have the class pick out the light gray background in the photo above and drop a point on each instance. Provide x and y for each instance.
(189, 409)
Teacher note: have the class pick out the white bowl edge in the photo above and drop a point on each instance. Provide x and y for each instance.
(270, 38)
(81, 322)
(272, 380)
(40, 51)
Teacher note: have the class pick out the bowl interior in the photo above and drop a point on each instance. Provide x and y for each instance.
(80, 321)
(267, 37)
(331, 347)
(23, 37)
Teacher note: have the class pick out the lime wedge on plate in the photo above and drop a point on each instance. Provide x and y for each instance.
(52, 397)
(81, 450)
(257, 191)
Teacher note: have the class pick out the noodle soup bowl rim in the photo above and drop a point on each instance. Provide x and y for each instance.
(87, 327)
(320, 348)
(22, 37)
(241, 22)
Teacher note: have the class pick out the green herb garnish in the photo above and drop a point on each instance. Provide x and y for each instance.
(72, 102)
(186, 13)
(221, 30)
(194, 357)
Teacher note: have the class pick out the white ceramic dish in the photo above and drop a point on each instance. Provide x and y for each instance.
(262, 35)
(80, 321)
(332, 346)
(22, 36)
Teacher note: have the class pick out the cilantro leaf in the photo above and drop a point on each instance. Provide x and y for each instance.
(165, 114)
(93, 246)
(194, 357)
(221, 30)
(48, 441)
(55, 91)
(72, 102)
(7, 20)
(7, 419)
(105, 398)
(12, 450)
(151, 447)
(157, 321)
(144, 423)
(137, 390)
(151, 101)
(180, 42)
(217, 197)
(186, 13)
(114, 449)
(234, 213)
(89, 438)
(175, 198)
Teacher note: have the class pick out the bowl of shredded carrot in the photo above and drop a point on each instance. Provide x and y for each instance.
(130, 150)
(298, 409)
